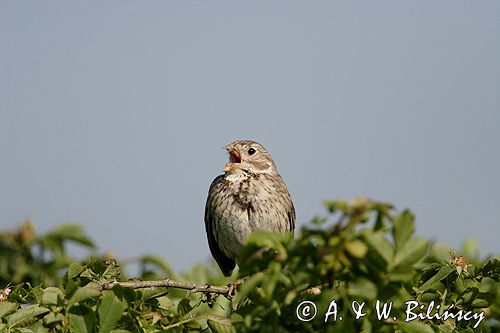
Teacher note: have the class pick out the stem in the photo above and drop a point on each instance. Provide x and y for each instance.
(192, 287)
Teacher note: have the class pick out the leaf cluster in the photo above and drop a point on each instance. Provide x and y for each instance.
(362, 251)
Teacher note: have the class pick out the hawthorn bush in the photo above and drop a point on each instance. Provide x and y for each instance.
(359, 269)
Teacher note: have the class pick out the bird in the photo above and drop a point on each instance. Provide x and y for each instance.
(250, 195)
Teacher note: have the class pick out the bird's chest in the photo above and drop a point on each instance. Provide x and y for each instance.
(246, 204)
(248, 193)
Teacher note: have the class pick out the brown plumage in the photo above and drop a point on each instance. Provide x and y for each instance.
(250, 195)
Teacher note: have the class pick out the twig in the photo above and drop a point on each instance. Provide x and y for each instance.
(192, 287)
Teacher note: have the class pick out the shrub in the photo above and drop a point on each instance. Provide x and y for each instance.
(361, 257)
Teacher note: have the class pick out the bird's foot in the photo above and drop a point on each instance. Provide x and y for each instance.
(232, 288)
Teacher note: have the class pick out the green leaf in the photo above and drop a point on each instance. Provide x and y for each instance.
(112, 271)
(110, 311)
(183, 308)
(165, 302)
(482, 302)
(74, 270)
(476, 298)
(88, 273)
(27, 330)
(356, 248)
(53, 317)
(219, 324)
(336, 205)
(24, 314)
(441, 253)
(404, 227)
(162, 264)
(401, 277)
(81, 294)
(192, 324)
(378, 243)
(72, 232)
(409, 253)
(414, 327)
(52, 296)
(82, 319)
(152, 293)
(7, 308)
(35, 293)
(492, 268)
(265, 239)
(362, 289)
(440, 275)
(261, 247)
(102, 270)
(272, 275)
(249, 286)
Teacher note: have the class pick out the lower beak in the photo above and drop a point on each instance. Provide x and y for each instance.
(230, 167)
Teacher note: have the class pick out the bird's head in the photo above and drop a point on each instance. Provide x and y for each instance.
(249, 156)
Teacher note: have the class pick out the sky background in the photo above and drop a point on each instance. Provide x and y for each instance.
(114, 114)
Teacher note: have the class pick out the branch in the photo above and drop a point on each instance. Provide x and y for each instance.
(228, 290)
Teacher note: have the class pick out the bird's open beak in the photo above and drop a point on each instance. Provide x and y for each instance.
(234, 159)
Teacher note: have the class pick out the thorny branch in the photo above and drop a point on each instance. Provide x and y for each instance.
(228, 290)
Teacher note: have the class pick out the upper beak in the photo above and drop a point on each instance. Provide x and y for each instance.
(234, 159)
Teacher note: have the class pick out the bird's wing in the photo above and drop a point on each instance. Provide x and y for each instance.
(291, 217)
(225, 263)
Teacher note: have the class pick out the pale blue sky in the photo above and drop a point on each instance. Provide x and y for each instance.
(114, 114)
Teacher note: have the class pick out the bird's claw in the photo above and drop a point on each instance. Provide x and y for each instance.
(232, 288)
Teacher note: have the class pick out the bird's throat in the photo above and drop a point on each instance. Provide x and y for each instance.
(230, 167)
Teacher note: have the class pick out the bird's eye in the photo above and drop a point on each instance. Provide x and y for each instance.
(251, 151)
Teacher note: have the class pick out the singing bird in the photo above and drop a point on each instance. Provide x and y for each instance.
(250, 195)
